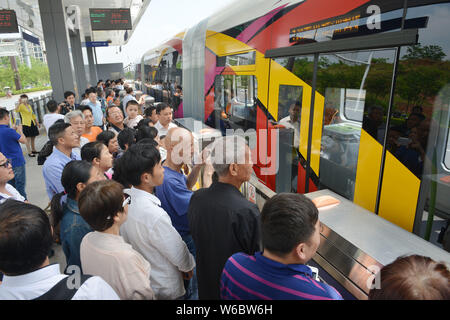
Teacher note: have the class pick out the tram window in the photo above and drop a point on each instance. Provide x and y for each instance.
(356, 87)
(236, 97)
(447, 152)
(241, 59)
(289, 115)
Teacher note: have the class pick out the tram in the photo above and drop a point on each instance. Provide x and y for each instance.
(351, 96)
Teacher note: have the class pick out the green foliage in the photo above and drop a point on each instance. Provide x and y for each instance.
(129, 75)
(36, 76)
(3, 94)
(427, 52)
(422, 74)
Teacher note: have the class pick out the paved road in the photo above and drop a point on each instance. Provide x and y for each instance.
(35, 189)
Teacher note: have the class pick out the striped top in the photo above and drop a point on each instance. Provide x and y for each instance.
(257, 277)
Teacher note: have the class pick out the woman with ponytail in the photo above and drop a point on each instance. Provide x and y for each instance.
(64, 206)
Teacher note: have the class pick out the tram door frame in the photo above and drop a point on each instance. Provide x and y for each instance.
(392, 40)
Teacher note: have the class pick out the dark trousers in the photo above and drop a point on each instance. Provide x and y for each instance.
(191, 285)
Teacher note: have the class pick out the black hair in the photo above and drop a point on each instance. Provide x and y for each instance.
(126, 137)
(3, 113)
(68, 94)
(56, 131)
(90, 90)
(148, 141)
(132, 102)
(287, 219)
(84, 107)
(52, 106)
(105, 137)
(74, 172)
(161, 107)
(137, 160)
(25, 237)
(144, 123)
(148, 112)
(92, 150)
(143, 132)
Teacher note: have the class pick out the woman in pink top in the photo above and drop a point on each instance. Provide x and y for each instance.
(103, 252)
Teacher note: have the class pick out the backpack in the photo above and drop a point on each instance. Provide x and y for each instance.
(61, 291)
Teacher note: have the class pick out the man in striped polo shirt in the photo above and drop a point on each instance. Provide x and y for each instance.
(290, 230)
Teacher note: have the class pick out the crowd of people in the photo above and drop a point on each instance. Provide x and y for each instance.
(120, 177)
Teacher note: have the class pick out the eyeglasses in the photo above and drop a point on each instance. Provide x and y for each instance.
(6, 164)
(127, 200)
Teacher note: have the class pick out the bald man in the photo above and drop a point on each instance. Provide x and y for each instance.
(176, 191)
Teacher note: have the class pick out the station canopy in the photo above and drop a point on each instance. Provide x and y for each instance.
(28, 17)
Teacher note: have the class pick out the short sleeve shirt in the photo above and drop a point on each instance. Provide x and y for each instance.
(10, 147)
(175, 197)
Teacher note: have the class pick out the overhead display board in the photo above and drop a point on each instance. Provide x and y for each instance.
(110, 19)
(8, 21)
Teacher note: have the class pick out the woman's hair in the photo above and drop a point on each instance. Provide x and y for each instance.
(74, 172)
(105, 137)
(143, 132)
(413, 278)
(144, 123)
(100, 202)
(92, 150)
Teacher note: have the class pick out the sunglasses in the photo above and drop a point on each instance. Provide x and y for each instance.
(127, 200)
(6, 164)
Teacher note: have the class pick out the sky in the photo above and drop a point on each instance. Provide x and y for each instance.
(161, 20)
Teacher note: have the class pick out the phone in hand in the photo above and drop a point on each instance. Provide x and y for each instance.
(18, 122)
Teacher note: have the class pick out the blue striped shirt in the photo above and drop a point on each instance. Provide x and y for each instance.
(256, 277)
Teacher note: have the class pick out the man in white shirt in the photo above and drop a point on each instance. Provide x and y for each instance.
(292, 121)
(164, 123)
(25, 262)
(148, 227)
(53, 116)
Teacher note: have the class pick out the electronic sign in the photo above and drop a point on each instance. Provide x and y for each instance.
(110, 19)
(8, 21)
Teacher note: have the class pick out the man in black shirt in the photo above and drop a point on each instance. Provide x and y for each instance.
(222, 221)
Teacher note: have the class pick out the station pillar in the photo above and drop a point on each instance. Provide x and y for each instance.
(78, 63)
(93, 77)
(57, 46)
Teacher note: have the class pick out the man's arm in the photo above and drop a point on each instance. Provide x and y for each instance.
(193, 176)
(22, 138)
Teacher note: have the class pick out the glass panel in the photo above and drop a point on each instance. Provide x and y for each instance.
(419, 135)
(289, 119)
(302, 67)
(447, 152)
(241, 59)
(372, 17)
(235, 97)
(356, 87)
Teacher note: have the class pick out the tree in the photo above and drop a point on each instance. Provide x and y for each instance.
(431, 52)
